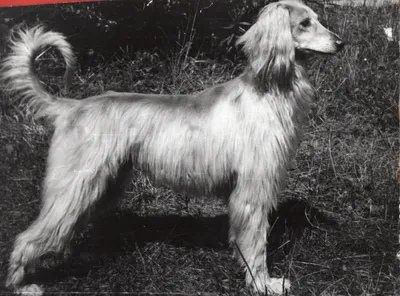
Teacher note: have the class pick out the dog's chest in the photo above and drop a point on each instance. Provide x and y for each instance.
(271, 115)
(270, 128)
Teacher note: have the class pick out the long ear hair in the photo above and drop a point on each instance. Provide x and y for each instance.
(269, 47)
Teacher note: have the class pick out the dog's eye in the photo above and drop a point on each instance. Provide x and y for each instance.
(305, 23)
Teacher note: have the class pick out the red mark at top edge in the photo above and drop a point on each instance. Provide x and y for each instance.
(6, 3)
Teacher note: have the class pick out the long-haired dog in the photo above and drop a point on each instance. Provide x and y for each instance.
(239, 136)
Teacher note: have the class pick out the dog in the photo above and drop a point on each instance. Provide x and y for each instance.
(235, 138)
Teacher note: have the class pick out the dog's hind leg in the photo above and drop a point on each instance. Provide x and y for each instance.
(248, 214)
(76, 178)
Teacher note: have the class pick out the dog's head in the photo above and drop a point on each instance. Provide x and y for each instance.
(282, 29)
(307, 32)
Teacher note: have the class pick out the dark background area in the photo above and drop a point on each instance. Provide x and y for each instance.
(142, 24)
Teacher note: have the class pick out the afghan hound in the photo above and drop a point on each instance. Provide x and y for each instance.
(239, 136)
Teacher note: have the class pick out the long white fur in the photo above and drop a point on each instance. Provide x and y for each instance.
(239, 136)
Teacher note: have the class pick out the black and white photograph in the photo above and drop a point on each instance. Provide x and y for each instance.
(200, 147)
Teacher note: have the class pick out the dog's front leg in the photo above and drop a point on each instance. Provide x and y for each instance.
(248, 236)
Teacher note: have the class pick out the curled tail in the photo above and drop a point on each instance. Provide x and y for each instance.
(17, 73)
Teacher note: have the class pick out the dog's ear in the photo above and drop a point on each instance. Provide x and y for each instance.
(269, 47)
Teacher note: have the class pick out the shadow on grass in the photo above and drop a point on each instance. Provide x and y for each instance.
(120, 232)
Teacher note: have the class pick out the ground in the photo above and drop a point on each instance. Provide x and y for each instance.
(337, 227)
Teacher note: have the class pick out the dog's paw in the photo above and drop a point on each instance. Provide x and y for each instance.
(30, 290)
(273, 286)
(278, 285)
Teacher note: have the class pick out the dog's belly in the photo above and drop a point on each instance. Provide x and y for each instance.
(190, 169)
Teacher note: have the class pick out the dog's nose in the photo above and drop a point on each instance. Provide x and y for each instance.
(340, 44)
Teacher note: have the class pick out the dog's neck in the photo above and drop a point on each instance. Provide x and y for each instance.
(264, 84)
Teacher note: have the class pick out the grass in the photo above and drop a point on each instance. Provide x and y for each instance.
(156, 241)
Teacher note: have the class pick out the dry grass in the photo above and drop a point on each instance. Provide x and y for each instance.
(156, 241)
(369, 3)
